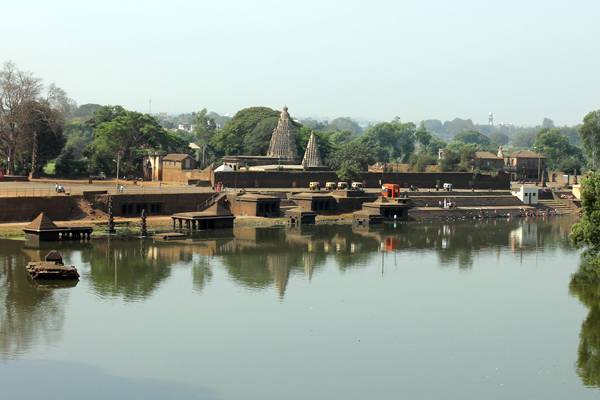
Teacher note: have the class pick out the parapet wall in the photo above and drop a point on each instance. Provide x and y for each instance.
(293, 179)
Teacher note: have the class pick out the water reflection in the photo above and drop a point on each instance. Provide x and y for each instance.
(29, 313)
(129, 269)
(255, 258)
(585, 285)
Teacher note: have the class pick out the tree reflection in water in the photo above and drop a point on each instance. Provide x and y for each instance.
(585, 285)
(130, 269)
(259, 258)
(29, 314)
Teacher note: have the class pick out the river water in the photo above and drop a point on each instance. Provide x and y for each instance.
(476, 310)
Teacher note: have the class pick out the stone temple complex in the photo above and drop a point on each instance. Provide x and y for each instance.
(283, 140)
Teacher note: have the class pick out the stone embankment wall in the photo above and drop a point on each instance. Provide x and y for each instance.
(129, 205)
(290, 179)
(178, 175)
(60, 207)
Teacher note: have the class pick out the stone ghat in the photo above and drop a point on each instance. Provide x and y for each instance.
(466, 213)
(467, 201)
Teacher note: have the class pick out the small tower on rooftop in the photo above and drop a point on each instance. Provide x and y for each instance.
(312, 158)
(283, 140)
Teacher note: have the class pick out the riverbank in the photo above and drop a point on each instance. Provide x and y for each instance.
(128, 227)
(159, 224)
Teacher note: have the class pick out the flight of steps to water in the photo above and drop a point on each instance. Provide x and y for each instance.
(557, 205)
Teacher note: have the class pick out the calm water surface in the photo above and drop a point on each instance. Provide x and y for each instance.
(416, 311)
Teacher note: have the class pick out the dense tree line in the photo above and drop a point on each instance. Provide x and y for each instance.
(40, 125)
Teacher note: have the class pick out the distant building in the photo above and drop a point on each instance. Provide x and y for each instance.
(487, 161)
(525, 165)
(186, 127)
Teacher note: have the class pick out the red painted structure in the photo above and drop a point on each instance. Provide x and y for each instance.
(390, 190)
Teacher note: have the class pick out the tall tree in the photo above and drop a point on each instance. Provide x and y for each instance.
(351, 159)
(248, 132)
(590, 136)
(391, 141)
(42, 135)
(547, 123)
(556, 147)
(344, 124)
(473, 137)
(586, 233)
(132, 135)
(17, 89)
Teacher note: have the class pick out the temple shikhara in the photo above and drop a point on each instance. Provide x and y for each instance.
(282, 153)
(312, 159)
(283, 139)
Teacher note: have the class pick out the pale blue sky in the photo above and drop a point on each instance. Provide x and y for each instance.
(524, 60)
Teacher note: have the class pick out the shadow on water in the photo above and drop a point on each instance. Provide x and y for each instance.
(70, 381)
(585, 285)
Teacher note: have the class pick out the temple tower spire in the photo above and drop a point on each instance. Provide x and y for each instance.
(311, 155)
(283, 139)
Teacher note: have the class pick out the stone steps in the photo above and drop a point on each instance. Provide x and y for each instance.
(557, 205)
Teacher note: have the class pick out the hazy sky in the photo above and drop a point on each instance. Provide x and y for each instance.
(522, 59)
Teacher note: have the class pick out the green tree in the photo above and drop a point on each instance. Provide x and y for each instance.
(458, 125)
(498, 138)
(458, 156)
(86, 111)
(547, 123)
(391, 141)
(350, 159)
(590, 136)
(248, 132)
(344, 124)
(204, 127)
(130, 134)
(472, 137)
(556, 147)
(42, 136)
(524, 139)
(68, 164)
(434, 125)
(420, 161)
(586, 233)
(422, 135)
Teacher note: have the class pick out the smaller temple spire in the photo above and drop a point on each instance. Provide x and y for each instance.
(311, 155)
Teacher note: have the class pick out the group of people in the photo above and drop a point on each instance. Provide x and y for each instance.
(447, 204)
(538, 213)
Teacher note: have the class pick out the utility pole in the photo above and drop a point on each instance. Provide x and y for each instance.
(539, 166)
(118, 164)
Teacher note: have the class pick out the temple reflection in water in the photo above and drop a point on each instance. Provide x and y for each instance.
(255, 258)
